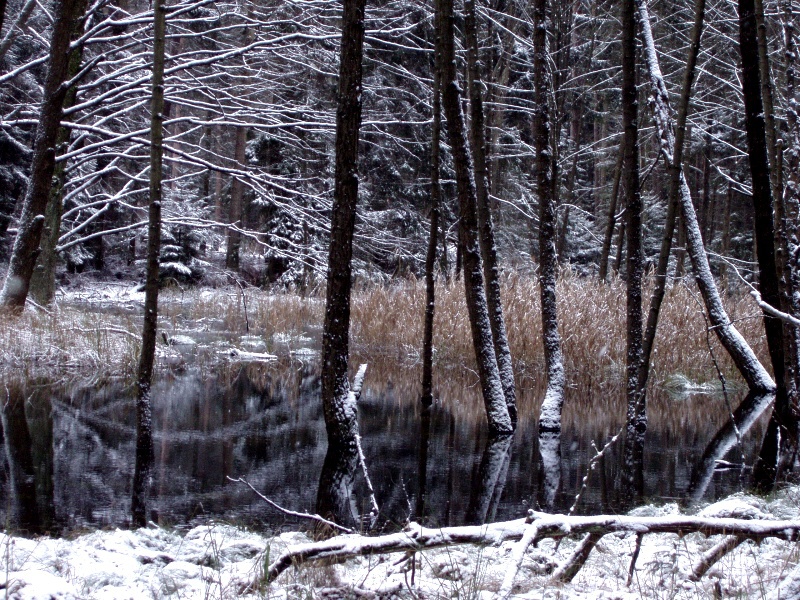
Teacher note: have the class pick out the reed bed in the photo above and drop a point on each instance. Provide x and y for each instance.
(66, 344)
(386, 331)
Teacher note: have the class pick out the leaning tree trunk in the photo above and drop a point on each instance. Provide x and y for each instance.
(26, 245)
(741, 353)
(611, 220)
(488, 372)
(144, 428)
(338, 402)
(672, 199)
(491, 270)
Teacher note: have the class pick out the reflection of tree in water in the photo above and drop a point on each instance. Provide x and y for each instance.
(29, 454)
(335, 500)
(728, 435)
(491, 480)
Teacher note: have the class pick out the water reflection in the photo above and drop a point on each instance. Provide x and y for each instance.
(264, 423)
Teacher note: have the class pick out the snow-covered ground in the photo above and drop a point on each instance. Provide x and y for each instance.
(222, 561)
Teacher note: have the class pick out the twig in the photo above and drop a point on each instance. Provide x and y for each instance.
(592, 464)
(636, 550)
(567, 571)
(355, 390)
(708, 559)
(292, 513)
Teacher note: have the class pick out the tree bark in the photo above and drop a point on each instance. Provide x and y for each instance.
(780, 426)
(488, 372)
(636, 420)
(741, 353)
(491, 270)
(235, 210)
(43, 279)
(340, 414)
(26, 245)
(550, 415)
(672, 199)
(611, 219)
(430, 258)
(144, 427)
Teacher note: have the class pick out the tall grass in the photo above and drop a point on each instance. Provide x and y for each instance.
(386, 331)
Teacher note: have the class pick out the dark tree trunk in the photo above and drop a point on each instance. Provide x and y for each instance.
(491, 270)
(611, 219)
(430, 258)
(550, 416)
(338, 403)
(780, 424)
(144, 426)
(488, 372)
(236, 210)
(26, 245)
(636, 413)
(43, 279)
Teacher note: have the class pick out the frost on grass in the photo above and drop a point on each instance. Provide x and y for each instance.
(220, 561)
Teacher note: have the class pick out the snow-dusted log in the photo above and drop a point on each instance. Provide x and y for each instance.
(566, 572)
(415, 537)
(740, 351)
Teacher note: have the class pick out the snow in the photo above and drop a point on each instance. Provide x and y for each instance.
(222, 561)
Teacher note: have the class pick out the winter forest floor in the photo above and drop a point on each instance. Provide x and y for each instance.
(222, 561)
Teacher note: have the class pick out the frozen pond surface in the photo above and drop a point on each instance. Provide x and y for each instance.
(264, 422)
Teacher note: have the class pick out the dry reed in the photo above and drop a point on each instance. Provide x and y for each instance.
(387, 331)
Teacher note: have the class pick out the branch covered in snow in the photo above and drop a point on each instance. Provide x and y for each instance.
(415, 537)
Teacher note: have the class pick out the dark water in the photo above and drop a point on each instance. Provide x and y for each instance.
(264, 423)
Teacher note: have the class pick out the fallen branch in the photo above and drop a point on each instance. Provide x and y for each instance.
(708, 559)
(567, 571)
(291, 513)
(415, 537)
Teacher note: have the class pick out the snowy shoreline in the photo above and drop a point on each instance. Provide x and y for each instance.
(222, 561)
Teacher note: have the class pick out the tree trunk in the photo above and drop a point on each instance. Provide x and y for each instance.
(611, 219)
(26, 245)
(430, 258)
(672, 199)
(341, 421)
(636, 424)
(144, 426)
(491, 270)
(43, 279)
(780, 424)
(739, 350)
(488, 372)
(235, 210)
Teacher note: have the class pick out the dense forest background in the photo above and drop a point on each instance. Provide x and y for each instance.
(250, 100)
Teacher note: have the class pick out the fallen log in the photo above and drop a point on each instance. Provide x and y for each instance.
(414, 537)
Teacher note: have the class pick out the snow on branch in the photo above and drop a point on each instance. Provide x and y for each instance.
(414, 537)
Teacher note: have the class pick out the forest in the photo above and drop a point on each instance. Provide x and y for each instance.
(544, 256)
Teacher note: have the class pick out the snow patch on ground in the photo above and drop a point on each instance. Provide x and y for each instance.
(222, 561)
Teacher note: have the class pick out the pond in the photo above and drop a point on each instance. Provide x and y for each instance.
(263, 423)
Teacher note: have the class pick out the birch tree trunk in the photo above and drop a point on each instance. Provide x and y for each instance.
(144, 426)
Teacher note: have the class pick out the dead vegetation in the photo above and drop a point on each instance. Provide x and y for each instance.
(387, 331)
